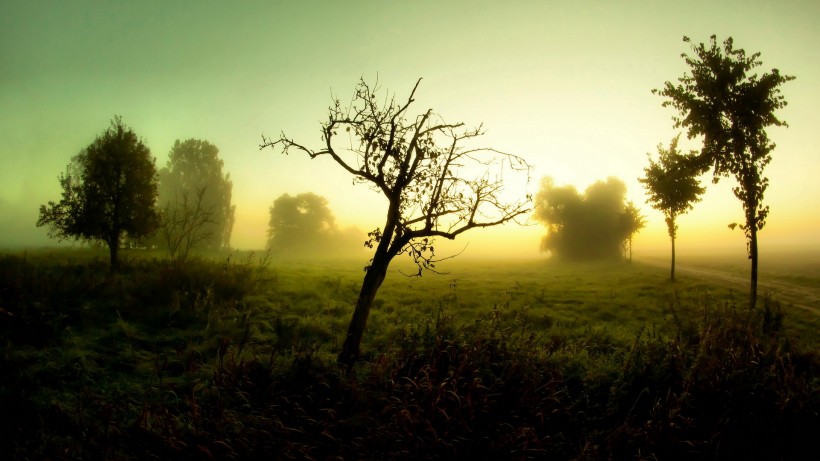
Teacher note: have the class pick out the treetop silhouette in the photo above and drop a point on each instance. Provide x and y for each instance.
(723, 100)
(436, 183)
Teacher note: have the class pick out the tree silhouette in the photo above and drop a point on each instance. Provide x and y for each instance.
(631, 222)
(109, 190)
(672, 187)
(436, 184)
(594, 225)
(193, 183)
(301, 224)
(185, 224)
(727, 103)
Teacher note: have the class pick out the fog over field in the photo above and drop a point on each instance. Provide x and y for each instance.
(565, 87)
(409, 230)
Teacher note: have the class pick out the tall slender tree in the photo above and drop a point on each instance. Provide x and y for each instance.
(436, 184)
(673, 187)
(109, 190)
(725, 101)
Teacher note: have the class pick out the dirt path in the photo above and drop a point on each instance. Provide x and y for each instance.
(802, 297)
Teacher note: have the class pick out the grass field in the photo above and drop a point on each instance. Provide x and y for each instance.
(618, 299)
(234, 357)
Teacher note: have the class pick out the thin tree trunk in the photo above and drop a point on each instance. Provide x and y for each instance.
(370, 286)
(630, 249)
(673, 231)
(753, 255)
(672, 275)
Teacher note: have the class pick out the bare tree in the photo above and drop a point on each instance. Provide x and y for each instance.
(186, 224)
(194, 164)
(435, 185)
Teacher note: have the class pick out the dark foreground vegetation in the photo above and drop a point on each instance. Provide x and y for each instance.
(213, 360)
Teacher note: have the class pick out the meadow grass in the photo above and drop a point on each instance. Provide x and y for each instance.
(233, 357)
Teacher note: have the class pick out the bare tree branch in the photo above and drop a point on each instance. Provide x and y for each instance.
(184, 226)
(437, 184)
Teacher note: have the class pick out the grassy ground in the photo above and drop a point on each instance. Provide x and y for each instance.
(616, 298)
(233, 358)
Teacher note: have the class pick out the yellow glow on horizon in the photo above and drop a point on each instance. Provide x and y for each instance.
(566, 86)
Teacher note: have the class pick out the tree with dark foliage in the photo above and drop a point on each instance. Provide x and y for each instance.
(672, 186)
(436, 183)
(725, 101)
(597, 224)
(109, 190)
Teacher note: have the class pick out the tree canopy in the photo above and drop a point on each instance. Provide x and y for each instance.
(194, 189)
(437, 183)
(672, 187)
(303, 225)
(597, 224)
(109, 190)
(725, 102)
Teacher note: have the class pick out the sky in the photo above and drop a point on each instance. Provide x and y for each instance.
(564, 84)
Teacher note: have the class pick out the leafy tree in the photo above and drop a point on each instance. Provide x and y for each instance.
(672, 186)
(631, 222)
(725, 101)
(436, 184)
(194, 169)
(595, 225)
(301, 224)
(109, 190)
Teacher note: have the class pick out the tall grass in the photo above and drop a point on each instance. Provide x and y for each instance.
(232, 360)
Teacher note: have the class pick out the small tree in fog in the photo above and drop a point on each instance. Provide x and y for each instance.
(631, 222)
(301, 224)
(436, 184)
(191, 186)
(727, 103)
(672, 186)
(185, 224)
(109, 190)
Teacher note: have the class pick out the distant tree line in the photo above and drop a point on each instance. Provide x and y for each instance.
(112, 193)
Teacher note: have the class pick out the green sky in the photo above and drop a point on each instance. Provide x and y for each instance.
(565, 84)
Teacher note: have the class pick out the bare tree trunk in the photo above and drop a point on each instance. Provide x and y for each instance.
(753, 255)
(370, 286)
(672, 274)
(630, 249)
(671, 227)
